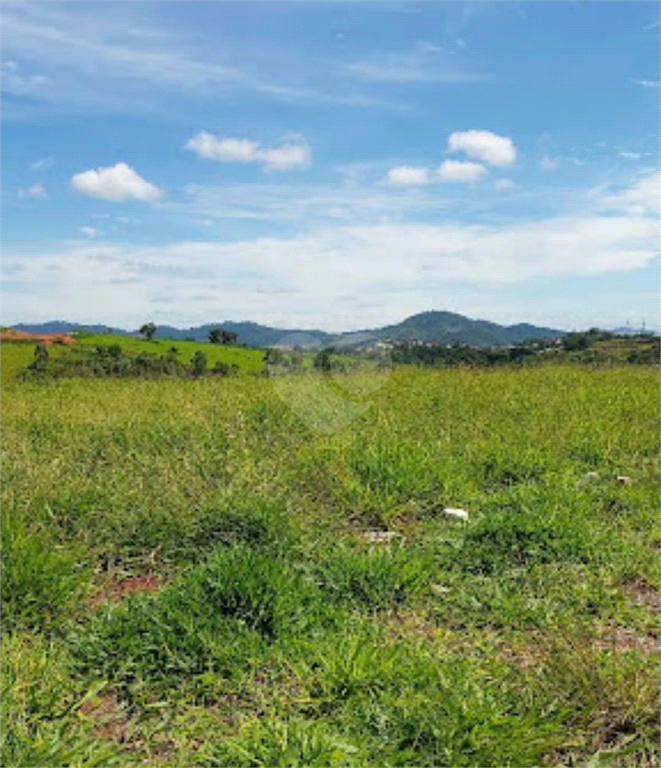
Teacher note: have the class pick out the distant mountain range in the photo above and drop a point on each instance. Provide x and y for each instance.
(434, 326)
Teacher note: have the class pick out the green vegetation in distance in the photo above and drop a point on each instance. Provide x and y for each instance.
(194, 576)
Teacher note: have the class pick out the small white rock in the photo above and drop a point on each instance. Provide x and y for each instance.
(460, 513)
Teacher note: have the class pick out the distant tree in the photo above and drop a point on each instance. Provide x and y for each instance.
(221, 336)
(221, 369)
(228, 337)
(322, 360)
(40, 358)
(148, 330)
(198, 363)
(572, 342)
(273, 357)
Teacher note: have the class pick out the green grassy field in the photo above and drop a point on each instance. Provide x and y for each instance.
(194, 576)
(247, 358)
(16, 355)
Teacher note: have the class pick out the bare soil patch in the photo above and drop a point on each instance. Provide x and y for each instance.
(117, 588)
(107, 715)
(617, 638)
(41, 338)
(640, 592)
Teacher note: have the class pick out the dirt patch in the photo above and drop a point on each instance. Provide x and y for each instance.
(524, 657)
(640, 592)
(117, 588)
(108, 717)
(40, 338)
(408, 625)
(617, 638)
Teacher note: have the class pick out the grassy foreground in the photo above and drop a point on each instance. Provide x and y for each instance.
(194, 576)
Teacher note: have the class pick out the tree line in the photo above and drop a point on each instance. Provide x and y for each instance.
(215, 335)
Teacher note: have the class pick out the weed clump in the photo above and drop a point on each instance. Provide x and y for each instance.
(213, 619)
(373, 579)
(41, 584)
(507, 539)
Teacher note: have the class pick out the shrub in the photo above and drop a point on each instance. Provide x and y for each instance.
(198, 364)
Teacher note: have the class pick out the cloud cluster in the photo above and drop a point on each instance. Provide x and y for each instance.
(285, 157)
(117, 182)
(483, 145)
(341, 268)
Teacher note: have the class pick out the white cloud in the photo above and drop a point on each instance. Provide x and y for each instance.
(504, 184)
(404, 175)
(649, 83)
(630, 155)
(117, 182)
(642, 198)
(483, 145)
(284, 157)
(455, 170)
(42, 164)
(35, 191)
(228, 150)
(548, 164)
(89, 231)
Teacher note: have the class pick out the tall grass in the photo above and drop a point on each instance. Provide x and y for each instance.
(286, 630)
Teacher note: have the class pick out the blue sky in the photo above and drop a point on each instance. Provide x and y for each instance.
(331, 165)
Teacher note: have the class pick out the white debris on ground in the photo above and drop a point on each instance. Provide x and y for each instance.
(460, 513)
(379, 537)
(439, 589)
(588, 477)
(591, 477)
